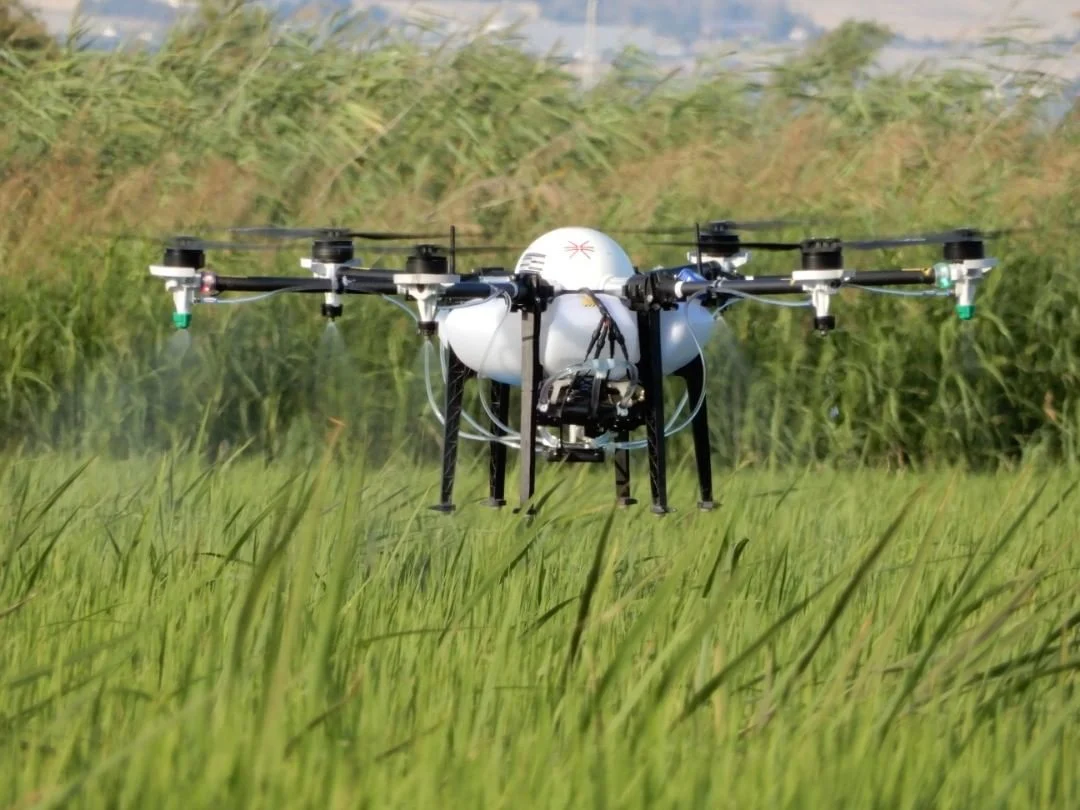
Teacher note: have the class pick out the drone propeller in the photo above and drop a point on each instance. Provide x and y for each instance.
(734, 244)
(716, 226)
(434, 250)
(327, 233)
(194, 243)
(962, 236)
(182, 242)
(940, 238)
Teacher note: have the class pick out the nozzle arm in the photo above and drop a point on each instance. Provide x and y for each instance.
(663, 286)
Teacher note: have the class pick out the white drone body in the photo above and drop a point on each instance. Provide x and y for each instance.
(486, 336)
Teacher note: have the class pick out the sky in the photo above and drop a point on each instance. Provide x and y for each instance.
(948, 19)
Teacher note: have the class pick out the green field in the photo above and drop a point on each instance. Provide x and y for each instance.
(220, 585)
(241, 636)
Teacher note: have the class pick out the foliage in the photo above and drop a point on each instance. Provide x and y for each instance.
(21, 31)
(235, 121)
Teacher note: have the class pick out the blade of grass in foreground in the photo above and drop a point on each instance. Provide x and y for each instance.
(503, 569)
(585, 599)
(702, 695)
(951, 613)
(623, 654)
(845, 596)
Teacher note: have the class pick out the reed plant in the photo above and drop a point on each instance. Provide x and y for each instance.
(235, 120)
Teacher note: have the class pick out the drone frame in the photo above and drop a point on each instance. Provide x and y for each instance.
(431, 280)
(651, 375)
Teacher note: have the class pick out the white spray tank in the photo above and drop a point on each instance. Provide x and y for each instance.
(487, 337)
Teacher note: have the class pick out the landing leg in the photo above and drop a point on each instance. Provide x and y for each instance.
(530, 396)
(653, 379)
(500, 407)
(622, 473)
(693, 373)
(456, 374)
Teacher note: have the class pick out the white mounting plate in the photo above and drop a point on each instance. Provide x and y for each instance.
(308, 263)
(817, 275)
(425, 279)
(161, 271)
(968, 269)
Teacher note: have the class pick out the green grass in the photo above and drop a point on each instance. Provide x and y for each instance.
(198, 610)
(241, 635)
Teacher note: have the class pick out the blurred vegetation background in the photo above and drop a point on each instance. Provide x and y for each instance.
(235, 120)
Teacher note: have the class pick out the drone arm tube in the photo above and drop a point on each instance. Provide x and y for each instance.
(215, 284)
(781, 285)
(886, 278)
(480, 289)
(663, 286)
(765, 285)
(370, 284)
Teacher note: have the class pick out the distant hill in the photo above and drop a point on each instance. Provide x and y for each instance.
(687, 20)
(681, 21)
(673, 31)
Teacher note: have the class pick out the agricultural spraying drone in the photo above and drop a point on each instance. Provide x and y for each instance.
(585, 335)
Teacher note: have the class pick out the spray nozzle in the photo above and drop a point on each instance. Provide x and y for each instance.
(182, 283)
(425, 289)
(962, 277)
(183, 299)
(332, 307)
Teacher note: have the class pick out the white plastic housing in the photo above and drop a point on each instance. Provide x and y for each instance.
(165, 271)
(183, 299)
(817, 283)
(573, 258)
(487, 337)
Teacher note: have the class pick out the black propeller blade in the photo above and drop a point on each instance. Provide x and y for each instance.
(939, 238)
(185, 242)
(432, 250)
(194, 243)
(716, 226)
(942, 238)
(274, 232)
(704, 243)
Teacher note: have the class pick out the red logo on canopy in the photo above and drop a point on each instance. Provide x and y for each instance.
(584, 248)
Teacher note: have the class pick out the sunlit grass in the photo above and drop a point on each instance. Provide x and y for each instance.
(177, 635)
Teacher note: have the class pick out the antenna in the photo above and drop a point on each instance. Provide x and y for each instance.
(697, 233)
(453, 249)
(706, 19)
(590, 42)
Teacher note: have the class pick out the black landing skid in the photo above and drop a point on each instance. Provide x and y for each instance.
(584, 409)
